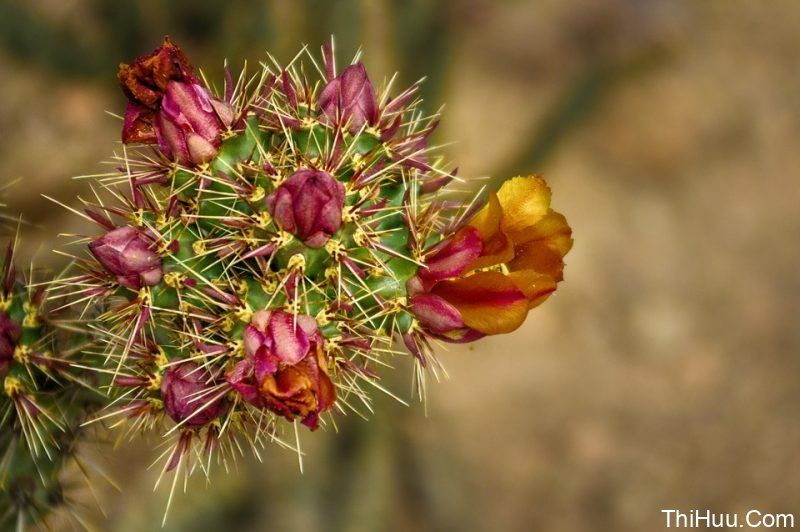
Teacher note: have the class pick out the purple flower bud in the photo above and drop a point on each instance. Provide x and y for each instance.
(125, 253)
(190, 123)
(309, 205)
(188, 395)
(350, 98)
(10, 331)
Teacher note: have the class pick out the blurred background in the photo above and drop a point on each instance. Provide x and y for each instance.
(662, 374)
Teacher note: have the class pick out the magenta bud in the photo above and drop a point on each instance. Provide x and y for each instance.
(188, 395)
(190, 123)
(309, 205)
(126, 254)
(350, 98)
(10, 332)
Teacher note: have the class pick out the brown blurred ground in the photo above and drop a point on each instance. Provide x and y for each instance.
(663, 374)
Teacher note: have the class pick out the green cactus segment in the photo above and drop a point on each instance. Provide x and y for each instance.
(44, 398)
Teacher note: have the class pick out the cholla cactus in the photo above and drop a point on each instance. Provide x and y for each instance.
(266, 247)
(45, 398)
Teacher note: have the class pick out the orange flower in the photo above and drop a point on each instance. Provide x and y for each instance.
(506, 260)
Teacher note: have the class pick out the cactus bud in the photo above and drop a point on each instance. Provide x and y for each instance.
(125, 254)
(190, 123)
(350, 98)
(186, 392)
(309, 205)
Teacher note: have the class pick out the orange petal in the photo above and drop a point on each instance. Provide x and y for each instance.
(536, 286)
(525, 201)
(489, 302)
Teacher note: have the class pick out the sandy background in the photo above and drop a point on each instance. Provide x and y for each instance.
(663, 373)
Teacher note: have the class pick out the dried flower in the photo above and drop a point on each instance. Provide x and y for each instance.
(516, 231)
(350, 98)
(168, 104)
(309, 205)
(286, 367)
(144, 82)
(187, 390)
(126, 254)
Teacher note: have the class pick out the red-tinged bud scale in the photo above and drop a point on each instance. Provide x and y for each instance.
(275, 242)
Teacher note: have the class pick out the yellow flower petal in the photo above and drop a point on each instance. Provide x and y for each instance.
(524, 201)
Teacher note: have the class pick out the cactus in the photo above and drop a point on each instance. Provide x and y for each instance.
(266, 251)
(45, 397)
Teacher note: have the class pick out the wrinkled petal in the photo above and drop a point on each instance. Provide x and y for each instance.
(253, 339)
(525, 201)
(497, 247)
(488, 302)
(265, 363)
(138, 124)
(549, 240)
(290, 341)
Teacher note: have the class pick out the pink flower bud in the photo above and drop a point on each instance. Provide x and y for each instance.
(10, 331)
(350, 98)
(188, 395)
(190, 123)
(125, 254)
(309, 205)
